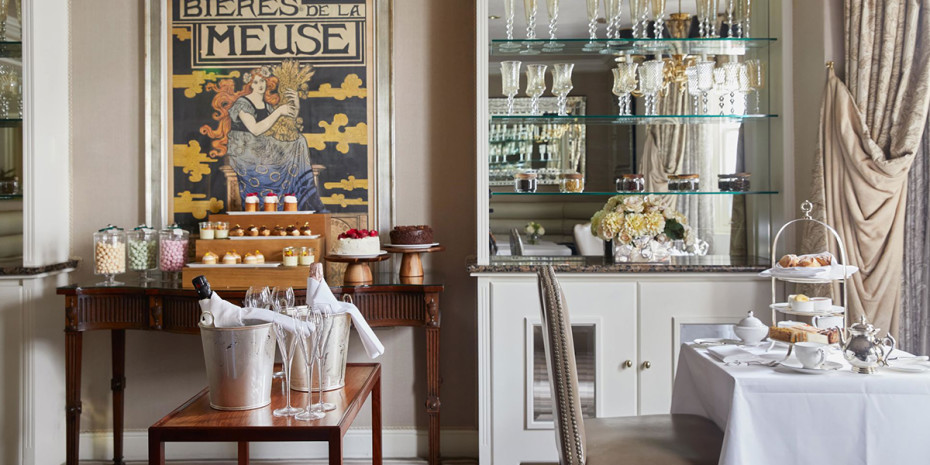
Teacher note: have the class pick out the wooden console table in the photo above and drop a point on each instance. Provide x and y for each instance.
(388, 301)
(195, 421)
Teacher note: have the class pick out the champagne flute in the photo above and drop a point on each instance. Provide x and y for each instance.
(535, 85)
(307, 341)
(636, 7)
(287, 343)
(592, 25)
(530, 8)
(552, 7)
(610, 7)
(249, 300)
(624, 83)
(730, 15)
(510, 81)
(720, 85)
(744, 14)
(509, 12)
(658, 9)
(562, 84)
(325, 329)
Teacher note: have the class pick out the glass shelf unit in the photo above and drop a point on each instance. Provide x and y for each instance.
(628, 46)
(627, 119)
(11, 49)
(611, 194)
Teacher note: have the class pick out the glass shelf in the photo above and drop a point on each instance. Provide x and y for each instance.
(11, 49)
(610, 194)
(11, 196)
(691, 46)
(626, 120)
(10, 122)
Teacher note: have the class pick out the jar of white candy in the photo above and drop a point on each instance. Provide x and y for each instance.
(142, 251)
(172, 249)
(109, 254)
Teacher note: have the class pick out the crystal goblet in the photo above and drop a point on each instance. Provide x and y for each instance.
(510, 81)
(651, 79)
(535, 85)
(562, 84)
(624, 83)
(705, 77)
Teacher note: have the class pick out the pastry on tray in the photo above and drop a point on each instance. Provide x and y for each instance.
(279, 231)
(250, 259)
(252, 231)
(209, 258)
(229, 258)
(263, 231)
(293, 231)
(305, 230)
(237, 231)
(805, 261)
(259, 257)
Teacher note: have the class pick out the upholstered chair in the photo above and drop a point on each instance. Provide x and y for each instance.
(649, 439)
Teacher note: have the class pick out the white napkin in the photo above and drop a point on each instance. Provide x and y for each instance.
(730, 354)
(227, 315)
(318, 292)
(833, 271)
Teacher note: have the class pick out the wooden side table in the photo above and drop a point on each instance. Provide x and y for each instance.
(195, 421)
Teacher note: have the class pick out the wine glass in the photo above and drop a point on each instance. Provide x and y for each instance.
(325, 329)
(535, 85)
(705, 76)
(651, 77)
(308, 332)
(624, 83)
(562, 84)
(658, 9)
(283, 306)
(756, 70)
(592, 25)
(510, 81)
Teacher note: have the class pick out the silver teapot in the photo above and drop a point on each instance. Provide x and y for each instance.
(863, 349)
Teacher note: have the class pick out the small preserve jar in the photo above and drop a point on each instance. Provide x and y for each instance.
(631, 183)
(109, 254)
(674, 183)
(306, 256)
(142, 247)
(524, 182)
(736, 182)
(221, 229)
(206, 230)
(571, 183)
(689, 183)
(289, 256)
(172, 250)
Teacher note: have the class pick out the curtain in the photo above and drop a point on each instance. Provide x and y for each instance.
(870, 131)
(915, 303)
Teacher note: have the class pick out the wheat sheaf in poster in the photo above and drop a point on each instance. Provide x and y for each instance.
(269, 96)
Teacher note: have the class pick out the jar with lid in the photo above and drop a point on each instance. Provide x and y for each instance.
(571, 183)
(306, 256)
(109, 254)
(524, 182)
(206, 230)
(172, 250)
(688, 183)
(289, 256)
(674, 183)
(631, 183)
(736, 182)
(142, 250)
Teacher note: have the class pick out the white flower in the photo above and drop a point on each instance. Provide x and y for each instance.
(530, 229)
(633, 204)
(541, 231)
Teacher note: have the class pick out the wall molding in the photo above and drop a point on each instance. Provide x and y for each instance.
(397, 443)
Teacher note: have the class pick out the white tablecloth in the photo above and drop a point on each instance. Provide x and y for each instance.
(776, 416)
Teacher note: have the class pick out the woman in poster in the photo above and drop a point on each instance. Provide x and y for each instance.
(264, 161)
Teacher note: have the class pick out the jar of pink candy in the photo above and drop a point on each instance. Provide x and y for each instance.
(172, 249)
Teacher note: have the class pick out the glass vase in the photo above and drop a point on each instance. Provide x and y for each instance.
(643, 249)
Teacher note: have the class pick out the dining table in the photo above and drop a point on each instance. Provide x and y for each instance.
(773, 415)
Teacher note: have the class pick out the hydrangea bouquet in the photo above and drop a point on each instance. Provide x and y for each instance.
(642, 228)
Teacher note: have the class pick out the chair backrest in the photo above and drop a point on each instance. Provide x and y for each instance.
(516, 242)
(588, 244)
(563, 374)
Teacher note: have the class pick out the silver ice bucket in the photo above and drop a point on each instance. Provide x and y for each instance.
(334, 367)
(240, 363)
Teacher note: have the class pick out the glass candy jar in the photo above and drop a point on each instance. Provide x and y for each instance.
(524, 182)
(109, 254)
(571, 183)
(142, 250)
(172, 250)
(631, 183)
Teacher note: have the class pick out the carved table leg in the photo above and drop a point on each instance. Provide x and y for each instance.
(73, 343)
(432, 376)
(117, 385)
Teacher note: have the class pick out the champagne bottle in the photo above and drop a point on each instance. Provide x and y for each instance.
(203, 287)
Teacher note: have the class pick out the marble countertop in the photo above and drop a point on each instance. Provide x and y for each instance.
(17, 269)
(591, 264)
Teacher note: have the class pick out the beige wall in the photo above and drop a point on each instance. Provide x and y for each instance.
(434, 156)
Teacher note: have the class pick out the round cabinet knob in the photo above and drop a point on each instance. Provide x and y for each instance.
(628, 364)
(647, 365)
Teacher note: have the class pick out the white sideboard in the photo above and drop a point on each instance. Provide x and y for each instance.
(628, 329)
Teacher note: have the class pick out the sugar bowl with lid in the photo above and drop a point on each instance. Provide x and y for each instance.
(751, 330)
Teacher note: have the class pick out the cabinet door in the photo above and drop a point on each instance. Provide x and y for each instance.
(665, 307)
(603, 320)
(11, 352)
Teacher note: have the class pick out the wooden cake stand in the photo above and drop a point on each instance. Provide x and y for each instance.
(357, 271)
(410, 264)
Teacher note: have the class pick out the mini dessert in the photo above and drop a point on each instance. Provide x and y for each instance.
(290, 203)
(238, 257)
(206, 230)
(263, 231)
(305, 230)
(788, 261)
(808, 261)
(220, 228)
(271, 202)
(209, 258)
(421, 234)
(250, 259)
(824, 259)
(229, 258)
(279, 231)
(289, 256)
(306, 256)
(801, 332)
(251, 202)
(791, 260)
(237, 231)
(293, 231)
(259, 257)
(358, 242)
(252, 231)
(800, 303)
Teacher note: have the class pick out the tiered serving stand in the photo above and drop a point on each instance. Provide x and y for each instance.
(806, 208)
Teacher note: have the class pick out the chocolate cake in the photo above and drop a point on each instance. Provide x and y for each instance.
(421, 234)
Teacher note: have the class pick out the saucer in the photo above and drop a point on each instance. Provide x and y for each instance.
(827, 367)
(908, 366)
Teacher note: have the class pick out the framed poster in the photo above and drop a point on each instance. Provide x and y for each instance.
(270, 96)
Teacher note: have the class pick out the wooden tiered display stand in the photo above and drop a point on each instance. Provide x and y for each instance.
(357, 271)
(242, 277)
(410, 265)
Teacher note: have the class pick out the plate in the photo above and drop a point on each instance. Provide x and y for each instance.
(907, 366)
(786, 308)
(240, 238)
(346, 255)
(412, 246)
(237, 265)
(827, 367)
(304, 212)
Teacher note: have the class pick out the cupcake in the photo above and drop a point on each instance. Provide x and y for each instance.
(209, 258)
(290, 203)
(271, 202)
(251, 202)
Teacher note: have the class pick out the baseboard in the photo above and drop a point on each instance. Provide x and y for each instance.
(397, 443)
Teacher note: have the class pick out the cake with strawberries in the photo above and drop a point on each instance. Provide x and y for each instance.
(358, 242)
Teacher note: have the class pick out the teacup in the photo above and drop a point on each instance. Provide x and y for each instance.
(810, 354)
(827, 321)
